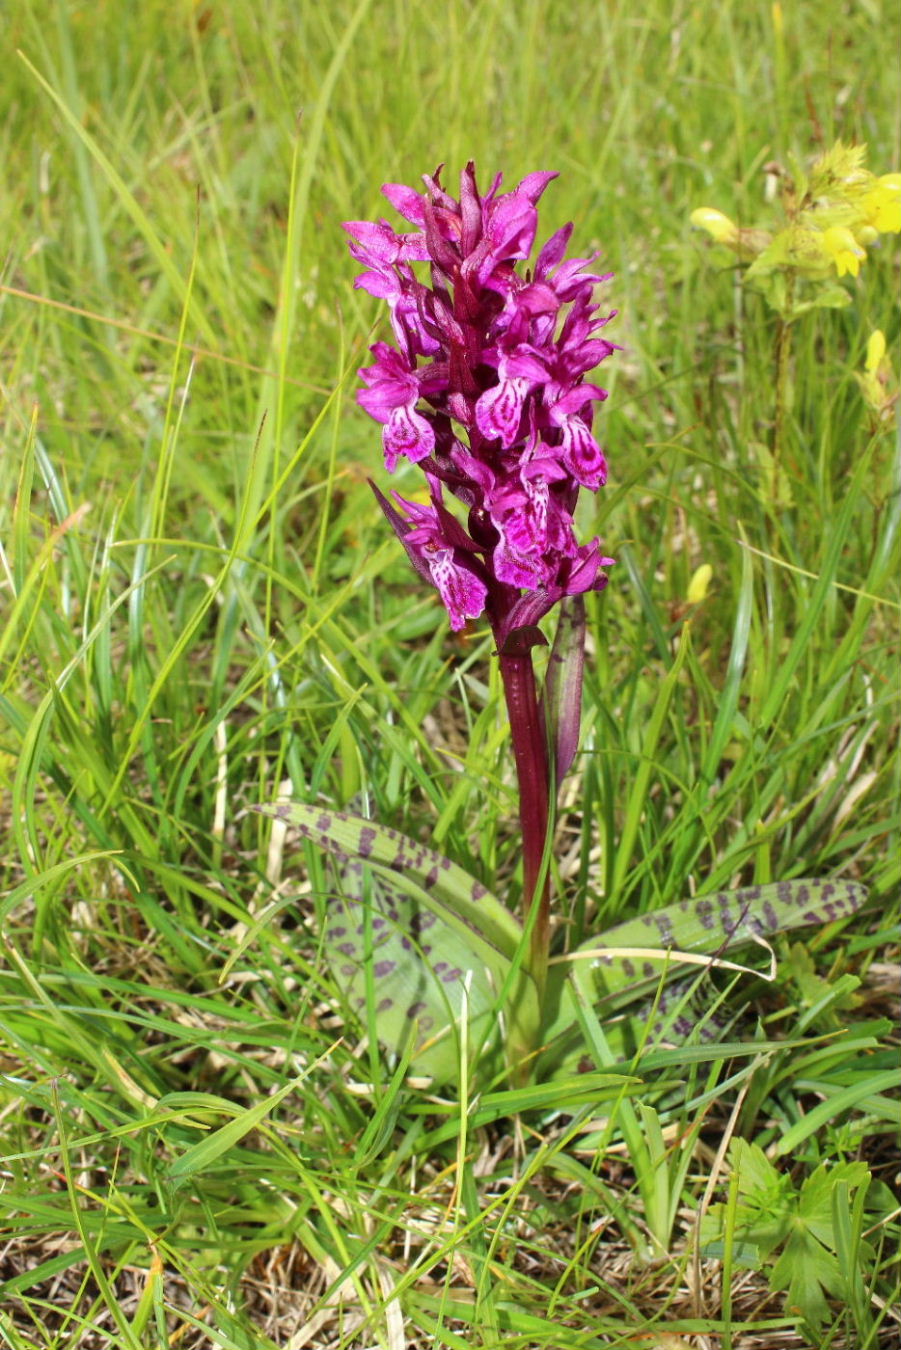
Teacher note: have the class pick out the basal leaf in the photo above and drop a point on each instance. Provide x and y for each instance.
(716, 924)
(426, 983)
(815, 1203)
(448, 890)
(794, 1229)
(435, 933)
(804, 1270)
(713, 925)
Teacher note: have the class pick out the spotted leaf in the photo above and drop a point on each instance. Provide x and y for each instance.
(425, 985)
(712, 925)
(435, 934)
(460, 899)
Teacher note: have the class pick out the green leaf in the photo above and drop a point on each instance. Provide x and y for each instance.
(447, 889)
(209, 1150)
(562, 695)
(712, 924)
(434, 938)
(826, 296)
(837, 1103)
(767, 1202)
(772, 1215)
(756, 1174)
(815, 1204)
(771, 285)
(396, 957)
(804, 1269)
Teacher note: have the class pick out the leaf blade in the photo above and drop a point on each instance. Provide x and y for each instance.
(409, 971)
(486, 938)
(448, 888)
(726, 919)
(709, 925)
(562, 700)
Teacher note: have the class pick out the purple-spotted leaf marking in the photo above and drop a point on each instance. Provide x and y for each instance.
(462, 901)
(679, 1012)
(713, 925)
(717, 923)
(425, 983)
(432, 928)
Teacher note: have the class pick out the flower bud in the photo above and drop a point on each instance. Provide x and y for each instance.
(723, 230)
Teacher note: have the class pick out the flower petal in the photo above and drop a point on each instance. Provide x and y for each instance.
(499, 410)
(462, 592)
(407, 433)
(582, 455)
(406, 202)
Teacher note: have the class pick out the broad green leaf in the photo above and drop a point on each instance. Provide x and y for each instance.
(757, 1176)
(767, 1201)
(815, 1205)
(436, 936)
(804, 1270)
(447, 889)
(796, 1230)
(711, 925)
(715, 924)
(826, 297)
(425, 982)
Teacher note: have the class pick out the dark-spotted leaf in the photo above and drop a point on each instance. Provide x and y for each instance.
(472, 939)
(712, 925)
(451, 892)
(426, 985)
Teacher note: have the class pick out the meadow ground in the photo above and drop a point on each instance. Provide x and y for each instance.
(202, 607)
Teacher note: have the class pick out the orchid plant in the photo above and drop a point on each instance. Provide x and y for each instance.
(484, 388)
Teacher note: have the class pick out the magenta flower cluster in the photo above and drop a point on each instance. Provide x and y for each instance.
(485, 389)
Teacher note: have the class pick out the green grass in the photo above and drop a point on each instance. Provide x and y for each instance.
(200, 602)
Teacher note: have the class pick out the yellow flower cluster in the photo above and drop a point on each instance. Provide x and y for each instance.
(833, 213)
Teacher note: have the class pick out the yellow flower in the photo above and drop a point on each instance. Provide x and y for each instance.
(714, 222)
(875, 351)
(697, 587)
(880, 208)
(877, 383)
(843, 249)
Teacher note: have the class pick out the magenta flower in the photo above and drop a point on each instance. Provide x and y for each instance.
(486, 390)
(431, 544)
(391, 398)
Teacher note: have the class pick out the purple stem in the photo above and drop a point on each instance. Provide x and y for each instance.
(530, 752)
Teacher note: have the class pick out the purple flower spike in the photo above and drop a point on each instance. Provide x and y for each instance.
(486, 389)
